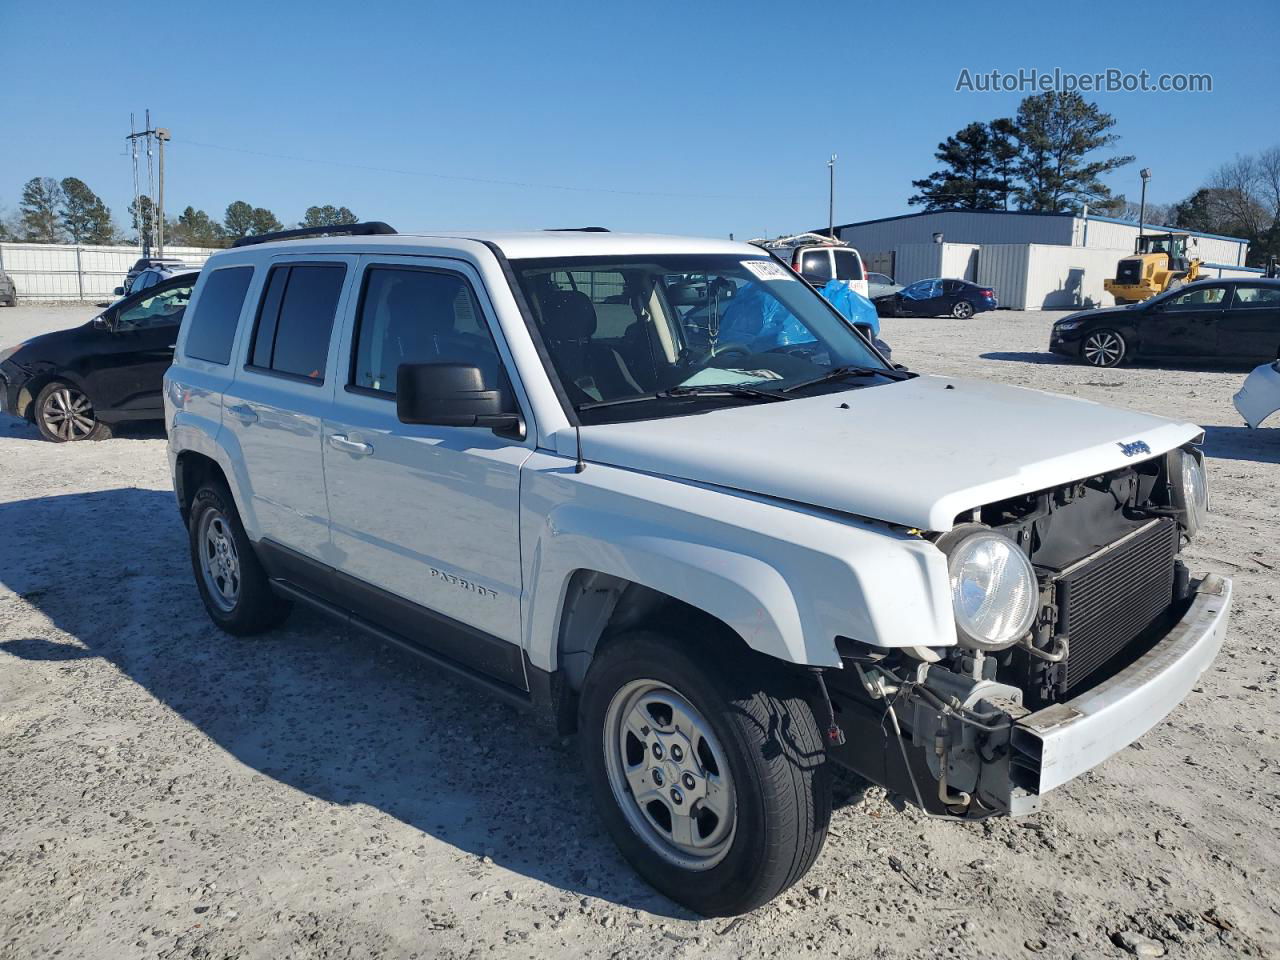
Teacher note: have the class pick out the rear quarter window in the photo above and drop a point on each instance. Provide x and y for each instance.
(211, 329)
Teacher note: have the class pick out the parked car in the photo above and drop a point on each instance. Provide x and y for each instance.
(77, 384)
(1259, 395)
(148, 272)
(881, 285)
(1235, 320)
(939, 297)
(820, 256)
(727, 567)
(8, 290)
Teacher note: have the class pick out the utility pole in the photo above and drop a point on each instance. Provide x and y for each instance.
(831, 197)
(162, 135)
(1145, 174)
(155, 191)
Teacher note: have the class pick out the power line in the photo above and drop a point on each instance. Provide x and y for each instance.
(457, 177)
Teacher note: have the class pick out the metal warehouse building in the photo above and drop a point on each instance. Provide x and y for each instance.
(1032, 260)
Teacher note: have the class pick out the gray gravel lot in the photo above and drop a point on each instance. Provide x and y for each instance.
(167, 791)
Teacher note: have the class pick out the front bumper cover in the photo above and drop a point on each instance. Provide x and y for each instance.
(1054, 745)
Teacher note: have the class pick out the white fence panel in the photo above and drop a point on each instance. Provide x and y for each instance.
(46, 271)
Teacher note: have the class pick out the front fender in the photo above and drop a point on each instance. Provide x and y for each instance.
(787, 579)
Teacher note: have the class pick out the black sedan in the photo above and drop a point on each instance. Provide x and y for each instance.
(1234, 320)
(76, 384)
(937, 298)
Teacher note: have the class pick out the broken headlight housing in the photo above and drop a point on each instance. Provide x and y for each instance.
(994, 593)
(1189, 488)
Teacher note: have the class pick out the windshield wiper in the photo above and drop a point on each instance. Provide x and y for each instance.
(850, 370)
(694, 392)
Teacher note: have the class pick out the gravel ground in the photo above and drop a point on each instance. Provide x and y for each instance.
(167, 791)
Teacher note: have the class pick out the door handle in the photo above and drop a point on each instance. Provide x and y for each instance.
(346, 445)
(244, 413)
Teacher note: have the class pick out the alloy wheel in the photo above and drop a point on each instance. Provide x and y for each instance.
(963, 310)
(1103, 348)
(68, 414)
(669, 775)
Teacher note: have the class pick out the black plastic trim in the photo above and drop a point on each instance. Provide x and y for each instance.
(369, 228)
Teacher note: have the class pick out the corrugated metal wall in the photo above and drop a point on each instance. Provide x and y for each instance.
(959, 226)
(1061, 278)
(917, 261)
(1003, 267)
(47, 271)
(1103, 234)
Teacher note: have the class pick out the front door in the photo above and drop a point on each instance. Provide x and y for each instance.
(1184, 325)
(274, 407)
(126, 374)
(425, 519)
(1250, 329)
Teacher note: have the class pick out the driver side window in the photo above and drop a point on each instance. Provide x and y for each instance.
(160, 309)
(1195, 299)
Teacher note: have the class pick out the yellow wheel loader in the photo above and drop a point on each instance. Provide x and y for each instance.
(1160, 262)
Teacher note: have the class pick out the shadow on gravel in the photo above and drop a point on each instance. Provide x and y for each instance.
(1243, 443)
(345, 720)
(1026, 357)
(19, 428)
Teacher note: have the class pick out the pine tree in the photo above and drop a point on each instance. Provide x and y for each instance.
(38, 212)
(327, 216)
(85, 217)
(1056, 133)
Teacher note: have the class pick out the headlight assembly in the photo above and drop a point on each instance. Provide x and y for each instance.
(1189, 488)
(994, 592)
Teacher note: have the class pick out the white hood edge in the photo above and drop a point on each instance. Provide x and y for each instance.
(916, 453)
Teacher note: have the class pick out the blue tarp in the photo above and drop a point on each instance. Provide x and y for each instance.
(856, 308)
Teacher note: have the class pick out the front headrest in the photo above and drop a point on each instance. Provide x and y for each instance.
(569, 315)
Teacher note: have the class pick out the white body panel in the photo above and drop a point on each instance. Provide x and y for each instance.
(915, 453)
(1259, 396)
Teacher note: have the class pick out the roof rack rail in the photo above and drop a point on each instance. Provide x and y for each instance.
(797, 240)
(367, 229)
(576, 230)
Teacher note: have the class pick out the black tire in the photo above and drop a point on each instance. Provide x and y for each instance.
(63, 413)
(256, 607)
(962, 310)
(768, 737)
(1104, 348)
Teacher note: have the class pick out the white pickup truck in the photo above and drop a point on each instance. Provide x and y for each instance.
(660, 489)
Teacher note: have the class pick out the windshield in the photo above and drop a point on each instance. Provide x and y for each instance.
(623, 333)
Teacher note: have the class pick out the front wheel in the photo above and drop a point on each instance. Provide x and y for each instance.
(710, 776)
(963, 310)
(1103, 348)
(64, 413)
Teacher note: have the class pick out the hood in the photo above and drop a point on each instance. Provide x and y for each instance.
(915, 453)
(33, 348)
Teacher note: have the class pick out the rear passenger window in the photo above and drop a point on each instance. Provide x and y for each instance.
(212, 328)
(418, 316)
(848, 267)
(296, 319)
(816, 262)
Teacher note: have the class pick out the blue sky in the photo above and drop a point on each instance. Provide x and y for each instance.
(691, 117)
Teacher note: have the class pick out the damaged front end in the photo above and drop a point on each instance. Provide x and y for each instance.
(1078, 629)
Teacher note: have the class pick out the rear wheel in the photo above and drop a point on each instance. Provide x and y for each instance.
(64, 413)
(962, 310)
(1103, 348)
(711, 777)
(231, 581)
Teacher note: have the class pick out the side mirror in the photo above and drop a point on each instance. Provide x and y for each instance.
(118, 291)
(453, 395)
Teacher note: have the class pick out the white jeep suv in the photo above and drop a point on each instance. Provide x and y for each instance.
(658, 487)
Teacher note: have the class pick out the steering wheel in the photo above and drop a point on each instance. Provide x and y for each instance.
(721, 349)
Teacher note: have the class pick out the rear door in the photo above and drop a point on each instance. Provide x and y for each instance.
(274, 408)
(816, 263)
(1185, 325)
(1250, 329)
(425, 519)
(849, 268)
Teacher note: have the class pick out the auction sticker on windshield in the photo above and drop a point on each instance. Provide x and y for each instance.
(767, 270)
